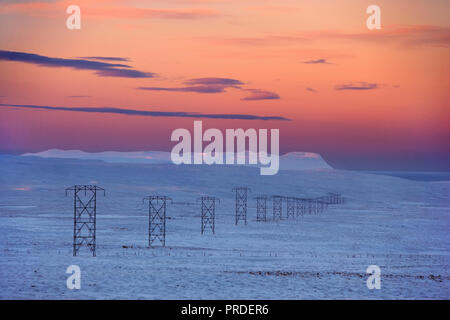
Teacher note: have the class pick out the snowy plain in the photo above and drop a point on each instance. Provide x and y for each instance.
(400, 225)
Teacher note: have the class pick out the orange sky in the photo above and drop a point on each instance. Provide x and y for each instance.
(400, 122)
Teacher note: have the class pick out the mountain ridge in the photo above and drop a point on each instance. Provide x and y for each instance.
(297, 160)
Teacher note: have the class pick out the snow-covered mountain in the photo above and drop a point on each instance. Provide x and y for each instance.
(288, 161)
(302, 161)
(107, 156)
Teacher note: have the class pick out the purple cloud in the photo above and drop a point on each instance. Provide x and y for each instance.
(103, 69)
(196, 89)
(216, 85)
(124, 73)
(215, 81)
(257, 94)
(318, 61)
(132, 112)
(357, 87)
(105, 58)
(201, 85)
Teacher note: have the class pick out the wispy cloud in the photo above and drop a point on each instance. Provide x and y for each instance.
(149, 13)
(311, 90)
(411, 36)
(201, 85)
(104, 10)
(257, 94)
(196, 89)
(124, 73)
(317, 61)
(217, 85)
(270, 40)
(357, 86)
(215, 81)
(105, 58)
(103, 69)
(133, 112)
(406, 36)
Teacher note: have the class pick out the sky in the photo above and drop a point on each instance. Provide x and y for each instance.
(137, 70)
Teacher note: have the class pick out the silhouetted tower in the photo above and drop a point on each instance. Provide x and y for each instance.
(329, 198)
(208, 213)
(241, 203)
(300, 207)
(322, 203)
(84, 216)
(157, 206)
(277, 202)
(261, 208)
(290, 207)
(309, 205)
(315, 206)
(334, 198)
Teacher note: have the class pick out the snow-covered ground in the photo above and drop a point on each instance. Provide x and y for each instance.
(400, 225)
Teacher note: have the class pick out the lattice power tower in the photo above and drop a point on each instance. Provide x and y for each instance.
(290, 207)
(241, 203)
(157, 219)
(334, 198)
(261, 208)
(277, 202)
(300, 207)
(84, 216)
(322, 204)
(208, 213)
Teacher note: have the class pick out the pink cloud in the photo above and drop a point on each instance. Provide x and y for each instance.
(406, 36)
(54, 9)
